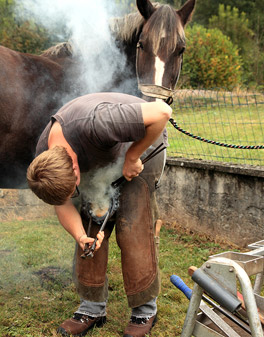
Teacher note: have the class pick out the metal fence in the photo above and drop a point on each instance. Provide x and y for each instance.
(233, 120)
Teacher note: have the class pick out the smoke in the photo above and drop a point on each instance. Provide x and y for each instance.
(86, 24)
(96, 187)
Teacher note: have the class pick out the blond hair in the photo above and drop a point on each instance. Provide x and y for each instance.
(51, 177)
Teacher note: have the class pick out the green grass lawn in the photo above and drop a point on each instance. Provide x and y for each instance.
(228, 119)
(37, 293)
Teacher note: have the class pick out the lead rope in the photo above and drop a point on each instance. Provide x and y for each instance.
(157, 91)
(169, 101)
(202, 139)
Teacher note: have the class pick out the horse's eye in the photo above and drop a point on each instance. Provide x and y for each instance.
(140, 45)
(182, 51)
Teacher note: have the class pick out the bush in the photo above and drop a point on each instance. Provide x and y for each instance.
(20, 32)
(26, 38)
(211, 60)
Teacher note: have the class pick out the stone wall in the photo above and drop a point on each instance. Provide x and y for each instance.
(222, 200)
(22, 204)
(218, 199)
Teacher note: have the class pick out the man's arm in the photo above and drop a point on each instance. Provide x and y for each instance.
(155, 117)
(71, 220)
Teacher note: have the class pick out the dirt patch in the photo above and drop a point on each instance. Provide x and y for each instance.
(5, 252)
(50, 276)
(202, 237)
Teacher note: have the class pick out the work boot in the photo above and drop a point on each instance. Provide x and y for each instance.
(139, 327)
(79, 325)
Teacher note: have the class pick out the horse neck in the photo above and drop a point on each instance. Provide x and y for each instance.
(129, 49)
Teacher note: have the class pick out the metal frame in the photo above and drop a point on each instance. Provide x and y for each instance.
(227, 271)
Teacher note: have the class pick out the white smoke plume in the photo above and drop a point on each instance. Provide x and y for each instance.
(96, 186)
(87, 25)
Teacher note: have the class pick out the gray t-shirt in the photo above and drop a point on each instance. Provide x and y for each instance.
(98, 127)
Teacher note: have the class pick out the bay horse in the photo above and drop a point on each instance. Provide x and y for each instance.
(33, 87)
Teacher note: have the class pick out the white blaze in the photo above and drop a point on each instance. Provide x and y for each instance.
(159, 70)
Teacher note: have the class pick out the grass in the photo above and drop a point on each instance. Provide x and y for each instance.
(37, 293)
(224, 117)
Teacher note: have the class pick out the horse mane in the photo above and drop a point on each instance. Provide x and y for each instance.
(164, 19)
(125, 28)
(61, 50)
(128, 26)
(165, 29)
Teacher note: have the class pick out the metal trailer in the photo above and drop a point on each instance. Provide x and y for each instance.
(231, 271)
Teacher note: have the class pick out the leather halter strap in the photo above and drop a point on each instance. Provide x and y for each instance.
(154, 90)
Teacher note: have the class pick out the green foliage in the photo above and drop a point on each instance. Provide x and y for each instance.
(26, 38)
(211, 60)
(23, 36)
(236, 26)
(6, 14)
(205, 9)
(232, 24)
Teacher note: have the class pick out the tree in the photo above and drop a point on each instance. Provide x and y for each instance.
(236, 26)
(26, 38)
(6, 16)
(205, 9)
(20, 35)
(233, 24)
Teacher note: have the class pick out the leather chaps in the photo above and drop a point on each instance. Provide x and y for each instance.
(135, 234)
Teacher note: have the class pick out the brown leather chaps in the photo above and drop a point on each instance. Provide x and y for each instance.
(135, 227)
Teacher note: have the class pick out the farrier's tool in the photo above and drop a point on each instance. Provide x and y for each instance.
(152, 154)
(89, 249)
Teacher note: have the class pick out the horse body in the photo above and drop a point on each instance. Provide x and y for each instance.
(29, 94)
(32, 87)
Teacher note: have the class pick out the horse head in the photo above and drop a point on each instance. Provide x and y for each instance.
(160, 46)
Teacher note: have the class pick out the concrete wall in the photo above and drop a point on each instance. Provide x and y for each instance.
(218, 199)
(222, 200)
(22, 204)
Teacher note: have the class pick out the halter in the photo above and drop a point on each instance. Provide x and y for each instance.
(154, 90)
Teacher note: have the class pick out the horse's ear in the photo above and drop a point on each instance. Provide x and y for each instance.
(186, 11)
(145, 8)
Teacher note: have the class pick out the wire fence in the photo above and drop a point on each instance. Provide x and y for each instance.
(218, 116)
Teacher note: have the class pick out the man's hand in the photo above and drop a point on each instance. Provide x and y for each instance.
(85, 239)
(132, 168)
(155, 117)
